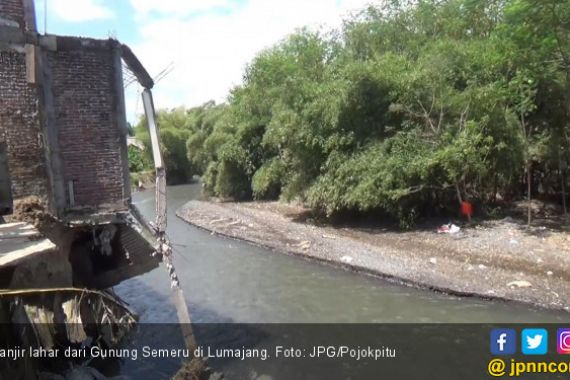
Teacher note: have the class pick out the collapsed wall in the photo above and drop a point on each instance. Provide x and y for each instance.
(63, 143)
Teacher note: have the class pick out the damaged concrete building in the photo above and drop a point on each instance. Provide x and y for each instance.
(63, 142)
(72, 231)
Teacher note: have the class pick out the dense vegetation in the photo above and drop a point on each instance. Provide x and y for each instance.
(410, 107)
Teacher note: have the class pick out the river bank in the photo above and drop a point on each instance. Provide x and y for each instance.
(496, 259)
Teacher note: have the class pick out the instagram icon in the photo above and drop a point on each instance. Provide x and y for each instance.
(563, 341)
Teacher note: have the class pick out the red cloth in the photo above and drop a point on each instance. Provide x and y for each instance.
(466, 209)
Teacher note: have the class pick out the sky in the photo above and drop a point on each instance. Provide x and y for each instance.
(208, 43)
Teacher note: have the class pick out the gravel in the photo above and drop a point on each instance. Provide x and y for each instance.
(497, 259)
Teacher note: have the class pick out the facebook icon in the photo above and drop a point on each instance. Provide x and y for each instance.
(503, 342)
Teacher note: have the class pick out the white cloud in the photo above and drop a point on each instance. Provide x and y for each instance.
(80, 10)
(210, 52)
(176, 7)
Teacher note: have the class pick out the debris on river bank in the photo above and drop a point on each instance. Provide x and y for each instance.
(479, 260)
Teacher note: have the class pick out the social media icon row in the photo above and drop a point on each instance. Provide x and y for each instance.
(533, 341)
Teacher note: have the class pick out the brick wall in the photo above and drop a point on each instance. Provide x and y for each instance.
(12, 10)
(89, 138)
(20, 126)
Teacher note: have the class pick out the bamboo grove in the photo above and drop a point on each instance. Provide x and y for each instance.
(406, 108)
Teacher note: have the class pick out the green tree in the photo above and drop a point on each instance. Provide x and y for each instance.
(410, 106)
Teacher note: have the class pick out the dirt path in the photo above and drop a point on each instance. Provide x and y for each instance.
(500, 259)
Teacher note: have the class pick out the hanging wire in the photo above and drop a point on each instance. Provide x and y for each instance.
(161, 75)
(129, 78)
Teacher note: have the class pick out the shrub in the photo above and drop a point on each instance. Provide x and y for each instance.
(267, 181)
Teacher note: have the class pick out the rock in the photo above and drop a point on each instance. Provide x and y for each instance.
(549, 273)
(433, 260)
(519, 284)
(482, 267)
(304, 245)
(346, 259)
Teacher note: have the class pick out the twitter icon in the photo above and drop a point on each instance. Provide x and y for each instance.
(534, 341)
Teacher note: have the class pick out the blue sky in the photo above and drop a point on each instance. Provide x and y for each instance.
(207, 42)
(117, 18)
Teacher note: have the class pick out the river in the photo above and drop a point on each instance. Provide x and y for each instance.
(227, 281)
(230, 281)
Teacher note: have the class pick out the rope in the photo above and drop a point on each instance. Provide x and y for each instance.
(166, 251)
